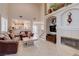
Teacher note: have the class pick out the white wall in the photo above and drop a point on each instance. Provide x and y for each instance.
(63, 28)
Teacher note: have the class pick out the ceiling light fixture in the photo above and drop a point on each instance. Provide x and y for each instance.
(20, 16)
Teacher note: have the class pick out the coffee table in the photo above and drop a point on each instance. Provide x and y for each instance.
(29, 41)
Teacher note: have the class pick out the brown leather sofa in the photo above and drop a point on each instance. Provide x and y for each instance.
(8, 47)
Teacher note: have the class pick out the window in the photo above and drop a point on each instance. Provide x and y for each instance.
(4, 24)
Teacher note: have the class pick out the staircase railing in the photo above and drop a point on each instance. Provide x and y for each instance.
(41, 35)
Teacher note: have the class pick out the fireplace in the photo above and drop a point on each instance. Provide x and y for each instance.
(70, 42)
(53, 28)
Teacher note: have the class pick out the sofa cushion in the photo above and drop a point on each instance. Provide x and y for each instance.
(7, 37)
(26, 32)
(30, 34)
(2, 38)
(22, 33)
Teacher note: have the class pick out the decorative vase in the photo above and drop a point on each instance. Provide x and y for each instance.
(50, 11)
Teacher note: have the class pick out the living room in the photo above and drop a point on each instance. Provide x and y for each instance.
(19, 19)
(36, 29)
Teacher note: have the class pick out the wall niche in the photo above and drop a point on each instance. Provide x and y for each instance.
(51, 23)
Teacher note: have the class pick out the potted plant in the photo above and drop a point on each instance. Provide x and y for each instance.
(54, 6)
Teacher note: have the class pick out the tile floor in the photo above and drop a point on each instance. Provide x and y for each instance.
(45, 48)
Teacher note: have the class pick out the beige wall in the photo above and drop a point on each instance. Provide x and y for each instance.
(4, 9)
(29, 11)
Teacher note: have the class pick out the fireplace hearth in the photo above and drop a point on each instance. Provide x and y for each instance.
(70, 42)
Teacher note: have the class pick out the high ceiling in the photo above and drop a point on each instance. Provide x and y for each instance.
(26, 10)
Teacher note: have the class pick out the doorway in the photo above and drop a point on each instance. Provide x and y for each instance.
(37, 30)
